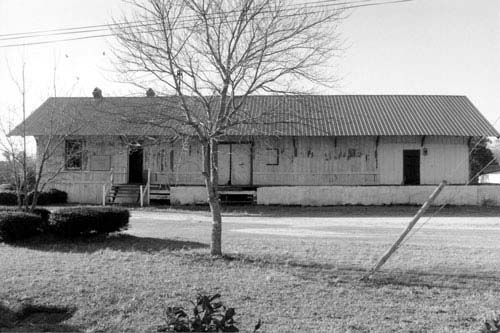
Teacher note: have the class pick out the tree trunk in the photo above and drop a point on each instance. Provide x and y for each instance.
(25, 191)
(18, 190)
(35, 197)
(210, 172)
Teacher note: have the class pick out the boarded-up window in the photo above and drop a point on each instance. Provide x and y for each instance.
(272, 156)
(74, 154)
(100, 163)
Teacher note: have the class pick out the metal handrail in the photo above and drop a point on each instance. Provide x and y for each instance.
(105, 188)
(145, 190)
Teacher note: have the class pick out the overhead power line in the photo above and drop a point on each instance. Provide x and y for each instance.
(349, 5)
(183, 19)
(107, 26)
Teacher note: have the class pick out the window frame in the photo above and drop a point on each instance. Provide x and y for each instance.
(277, 152)
(78, 156)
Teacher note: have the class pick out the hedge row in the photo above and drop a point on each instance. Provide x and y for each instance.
(66, 222)
(8, 198)
(50, 197)
(84, 221)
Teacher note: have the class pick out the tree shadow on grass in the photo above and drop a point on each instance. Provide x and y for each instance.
(36, 318)
(117, 242)
(333, 274)
(440, 280)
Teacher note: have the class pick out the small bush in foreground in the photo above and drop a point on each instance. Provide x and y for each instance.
(8, 198)
(19, 225)
(44, 215)
(492, 325)
(209, 315)
(85, 221)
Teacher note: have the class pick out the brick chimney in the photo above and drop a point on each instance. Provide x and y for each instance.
(97, 93)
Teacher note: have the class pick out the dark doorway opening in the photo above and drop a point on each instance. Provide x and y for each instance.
(135, 158)
(411, 167)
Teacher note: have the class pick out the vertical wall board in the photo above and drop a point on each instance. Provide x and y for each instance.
(224, 159)
(241, 164)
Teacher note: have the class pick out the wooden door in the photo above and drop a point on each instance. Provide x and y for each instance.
(411, 167)
(224, 157)
(241, 164)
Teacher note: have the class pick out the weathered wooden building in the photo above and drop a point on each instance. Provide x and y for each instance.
(330, 150)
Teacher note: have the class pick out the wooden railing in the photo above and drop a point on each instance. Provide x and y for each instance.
(144, 191)
(106, 187)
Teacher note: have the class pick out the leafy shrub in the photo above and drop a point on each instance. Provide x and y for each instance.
(19, 225)
(50, 197)
(492, 325)
(42, 212)
(8, 198)
(84, 221)
(209, 315)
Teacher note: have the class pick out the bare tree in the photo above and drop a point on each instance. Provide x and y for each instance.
(49, 144)
(213, 55)
(13, 152)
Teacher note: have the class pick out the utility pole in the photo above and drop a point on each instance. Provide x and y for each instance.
(25, 167)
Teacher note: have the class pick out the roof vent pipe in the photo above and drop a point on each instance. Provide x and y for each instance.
(97, 93)
(150, 93)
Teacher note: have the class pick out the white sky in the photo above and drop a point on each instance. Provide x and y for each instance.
(419, 47)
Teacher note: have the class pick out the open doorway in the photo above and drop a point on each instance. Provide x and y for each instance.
(411, 167)
(135, 167)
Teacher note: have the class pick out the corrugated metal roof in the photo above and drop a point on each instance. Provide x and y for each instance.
(308, 115)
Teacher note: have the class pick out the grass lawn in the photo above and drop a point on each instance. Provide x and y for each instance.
(297, 269)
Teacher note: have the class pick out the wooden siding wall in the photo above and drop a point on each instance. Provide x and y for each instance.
(317, 161)
(446, 159)
(86, 185)
(178, 163)
(302, 161)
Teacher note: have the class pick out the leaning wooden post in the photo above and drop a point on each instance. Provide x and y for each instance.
(410, 226)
